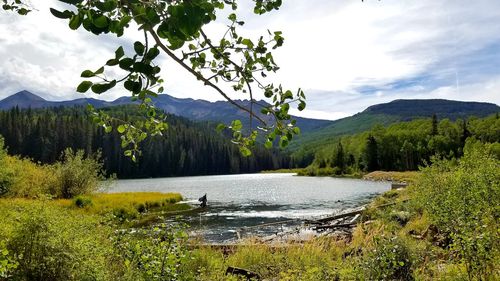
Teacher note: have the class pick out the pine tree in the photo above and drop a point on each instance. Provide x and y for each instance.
(434, 125)
(371, 154)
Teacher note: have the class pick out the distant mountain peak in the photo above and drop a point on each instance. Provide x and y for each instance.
(25, 96)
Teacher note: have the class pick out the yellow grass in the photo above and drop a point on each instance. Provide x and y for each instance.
(408, 176)
(129, 203)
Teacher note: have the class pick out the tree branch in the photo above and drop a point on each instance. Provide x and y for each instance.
(201, 77)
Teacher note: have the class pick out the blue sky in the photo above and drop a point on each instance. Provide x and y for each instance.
(345, 54)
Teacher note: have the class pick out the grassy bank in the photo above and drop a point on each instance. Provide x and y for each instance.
(408, 177)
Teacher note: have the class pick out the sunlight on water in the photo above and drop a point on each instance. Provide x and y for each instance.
(237, 201)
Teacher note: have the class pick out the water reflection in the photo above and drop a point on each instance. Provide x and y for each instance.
(237, 201)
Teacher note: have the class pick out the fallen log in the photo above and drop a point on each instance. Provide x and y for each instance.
(335, 226)
(242, 272)
(355, 218)
(339, 216)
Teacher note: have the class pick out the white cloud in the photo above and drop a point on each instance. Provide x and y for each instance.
(333, 50)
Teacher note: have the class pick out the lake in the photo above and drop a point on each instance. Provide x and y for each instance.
(237, 201)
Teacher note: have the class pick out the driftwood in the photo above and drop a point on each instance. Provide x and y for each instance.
(242, 272)
(342, 220)
(335, 226)
(336, 217)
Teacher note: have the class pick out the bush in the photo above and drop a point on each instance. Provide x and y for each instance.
(156, 253)
(77, 175)
(23, 178)
(50, 243)
(389, 260)
(82, 202)
(7, 262)
(461, 200)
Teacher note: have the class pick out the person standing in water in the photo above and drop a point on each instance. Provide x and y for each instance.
(203, 200)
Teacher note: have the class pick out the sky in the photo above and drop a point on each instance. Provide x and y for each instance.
(345, 54)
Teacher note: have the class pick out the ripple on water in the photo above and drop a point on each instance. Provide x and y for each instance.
(237, 201)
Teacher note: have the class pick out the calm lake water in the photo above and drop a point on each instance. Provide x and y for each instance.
(237, 201)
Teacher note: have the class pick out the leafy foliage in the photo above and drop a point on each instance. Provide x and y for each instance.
(23, 178)
(156, 253)
(462, 201)
(47, 242)
(77, 175)
(176, 29)
(390, 260)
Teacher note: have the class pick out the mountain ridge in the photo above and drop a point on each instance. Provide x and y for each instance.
(196, 110)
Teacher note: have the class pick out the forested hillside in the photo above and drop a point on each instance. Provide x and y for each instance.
(187, 148)
(385, 114)
(402, 146)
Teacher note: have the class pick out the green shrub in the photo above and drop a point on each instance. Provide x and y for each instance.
(461, 200)
(82, 202)
(141, 208)
(7, 262)
(77, 175)
(50, 243)
(158, 253)
(389, 260)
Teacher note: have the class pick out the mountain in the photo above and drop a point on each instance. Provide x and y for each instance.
(25, 99)
(426, 108)
(196, 110)
(392, 112)
(21, 99)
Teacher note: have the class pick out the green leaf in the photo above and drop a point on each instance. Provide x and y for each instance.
(247, 42)
(139, 48)
(103, 87)
(236, 125)
(143, 68)
(220, 127)
(296, 130)
(121, 129)
(245, 151)
(87, 74)
(75, 22)
(119, 53)
(301, 106)
(126, 63)
(84, 86)
(125, 20)
(61, 15)
(99, 71)
(268, 144)
(152, 53)
(112, 62)
(101, 22)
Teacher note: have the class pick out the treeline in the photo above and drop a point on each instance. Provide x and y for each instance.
(402, 146)
(186, 148)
